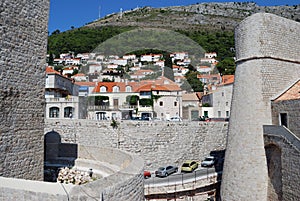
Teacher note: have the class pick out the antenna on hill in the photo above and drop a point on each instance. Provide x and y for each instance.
(121, 12)
(99, 12)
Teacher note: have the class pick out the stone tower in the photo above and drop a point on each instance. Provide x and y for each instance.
(23, 32)
(267, 62)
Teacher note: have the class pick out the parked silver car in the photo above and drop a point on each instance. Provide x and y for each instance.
(166, 171)
(209, 161)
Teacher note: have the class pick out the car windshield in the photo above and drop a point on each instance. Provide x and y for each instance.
(208, 159)
(161, 168)
(185, 165)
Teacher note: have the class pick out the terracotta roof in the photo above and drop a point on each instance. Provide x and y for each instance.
(190, 97)
(204, 67)
(291, 93)
(90, 84)
(208, 76)
(227, 79)
(49, 70)
(79, 75)
(160, 84)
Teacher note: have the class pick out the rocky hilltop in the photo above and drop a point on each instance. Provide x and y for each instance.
(211, 16)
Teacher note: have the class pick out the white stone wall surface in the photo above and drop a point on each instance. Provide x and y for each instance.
(157, 142)
(267, 51)
(23, 43)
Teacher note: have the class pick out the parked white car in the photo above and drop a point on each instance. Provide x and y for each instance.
(209, 161)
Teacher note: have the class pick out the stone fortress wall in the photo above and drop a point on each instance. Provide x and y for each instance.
(283, 154)
(267, 51)
(158, 143)
(125, 183)
(23, 32)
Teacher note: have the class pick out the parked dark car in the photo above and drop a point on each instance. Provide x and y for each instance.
(166, 171)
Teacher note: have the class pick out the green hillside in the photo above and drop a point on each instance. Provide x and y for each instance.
(210, 25)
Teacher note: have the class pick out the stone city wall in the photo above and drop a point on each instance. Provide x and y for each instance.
(23, 31)
(125, 184)
(284, 172)
(289, 107)
(158, 143)
(267, 52)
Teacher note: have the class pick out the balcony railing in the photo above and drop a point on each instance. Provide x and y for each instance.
(60, 99)
(111, 108)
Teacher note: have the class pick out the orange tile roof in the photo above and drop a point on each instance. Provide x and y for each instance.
(49, 70)
(292, 93)
(79, 75)
(208, 76)
(90, 84)
(227, 79)
(160, 84)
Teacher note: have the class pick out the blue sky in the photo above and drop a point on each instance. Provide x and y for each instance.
(67, 13)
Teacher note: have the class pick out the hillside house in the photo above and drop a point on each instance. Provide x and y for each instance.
(179, 70)
(151, 57)
(191, 109)
(129, 57)
(110, 100)
(94, 68)
(204, 69)
(124, 100)
(80, 77)
(179, 56)
(61, 96)
(217, 104)
(210, 55)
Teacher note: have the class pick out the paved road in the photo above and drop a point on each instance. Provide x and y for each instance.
(179, 178)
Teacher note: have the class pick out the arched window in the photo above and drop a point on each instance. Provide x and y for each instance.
(68, 112)
(54, 112)
(128, 89)
(103, 89)
(116, 89)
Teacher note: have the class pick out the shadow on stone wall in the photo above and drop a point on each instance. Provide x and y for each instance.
(273, 154)
(220, 155)
(57, 155)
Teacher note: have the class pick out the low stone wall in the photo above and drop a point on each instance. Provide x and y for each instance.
(158, 143)
(125, 184)
(283, 163)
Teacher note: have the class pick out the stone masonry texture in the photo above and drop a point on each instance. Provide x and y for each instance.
(158, 143)
(284, 172)
(23, 41)
(267, 62)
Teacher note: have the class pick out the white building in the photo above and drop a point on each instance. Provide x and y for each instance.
(179, 55)
(210, 55)
(95, 68)
(151, 57)
(218, 102)
(61, 96)
(120, 62)
(129, 57)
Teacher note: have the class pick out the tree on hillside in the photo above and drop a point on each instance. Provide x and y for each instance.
(226, 66)
(50, 59)
(57, 31)
(168, 69)
(192, 83)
